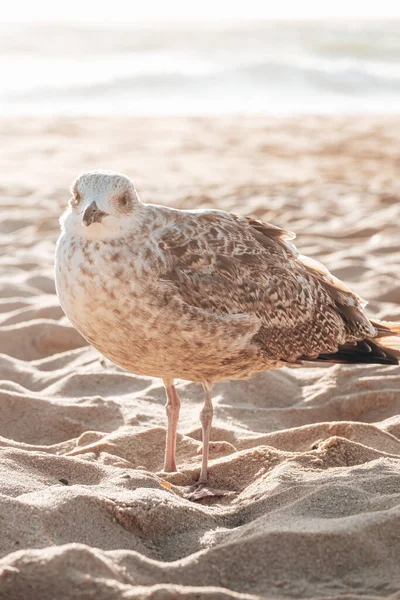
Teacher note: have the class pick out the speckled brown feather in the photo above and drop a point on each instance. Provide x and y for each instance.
(230, 264)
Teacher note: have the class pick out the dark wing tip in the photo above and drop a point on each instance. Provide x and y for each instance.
(363, 352)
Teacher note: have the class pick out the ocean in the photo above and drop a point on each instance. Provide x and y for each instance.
(201, 69)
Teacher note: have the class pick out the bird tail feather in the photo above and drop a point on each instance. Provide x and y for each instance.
(388, 337)
(383, 349)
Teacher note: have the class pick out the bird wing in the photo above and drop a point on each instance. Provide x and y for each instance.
(227, 265)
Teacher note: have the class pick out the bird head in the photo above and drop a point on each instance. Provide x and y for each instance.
(103, 205)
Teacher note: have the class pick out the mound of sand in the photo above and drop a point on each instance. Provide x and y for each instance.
(310, 456)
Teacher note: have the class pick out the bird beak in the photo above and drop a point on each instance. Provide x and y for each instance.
(92, 214)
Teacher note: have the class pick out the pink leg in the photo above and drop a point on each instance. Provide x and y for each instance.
(172, 408)
(201, 489)
(206, 416)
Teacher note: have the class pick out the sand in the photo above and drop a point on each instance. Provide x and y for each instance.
(310, 455)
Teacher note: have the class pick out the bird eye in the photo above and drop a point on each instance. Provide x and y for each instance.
(124, 200)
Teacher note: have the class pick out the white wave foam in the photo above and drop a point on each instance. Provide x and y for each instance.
(262, 68)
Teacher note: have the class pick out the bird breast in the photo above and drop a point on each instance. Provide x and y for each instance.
(101, 289)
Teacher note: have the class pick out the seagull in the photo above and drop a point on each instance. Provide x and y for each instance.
(201, 295)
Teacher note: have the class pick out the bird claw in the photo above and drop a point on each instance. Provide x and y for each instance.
(202, 490)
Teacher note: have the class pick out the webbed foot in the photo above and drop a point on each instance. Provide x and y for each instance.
(203, 490)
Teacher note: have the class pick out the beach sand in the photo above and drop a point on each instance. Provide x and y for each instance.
(311, 455)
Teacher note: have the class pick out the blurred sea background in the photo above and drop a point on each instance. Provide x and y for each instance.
(255, 67)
